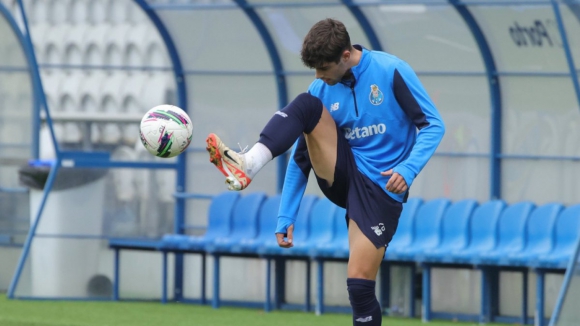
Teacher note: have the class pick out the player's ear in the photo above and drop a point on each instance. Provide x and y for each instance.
(345, 55)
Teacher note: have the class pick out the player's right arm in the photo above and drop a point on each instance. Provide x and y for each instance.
(295, 182)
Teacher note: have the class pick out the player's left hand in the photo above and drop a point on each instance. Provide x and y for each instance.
(285, 240)
(396, 184)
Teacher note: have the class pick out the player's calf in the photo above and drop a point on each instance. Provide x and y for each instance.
(366, 310)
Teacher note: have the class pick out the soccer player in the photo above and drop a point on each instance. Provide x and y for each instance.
(366, 127)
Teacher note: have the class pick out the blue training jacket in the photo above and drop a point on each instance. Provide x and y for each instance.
(379, 111)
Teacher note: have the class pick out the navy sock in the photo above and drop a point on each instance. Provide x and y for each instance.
(300, 115)
(366, 310)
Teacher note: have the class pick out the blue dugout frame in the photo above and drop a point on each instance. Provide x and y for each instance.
(96, 159)
(492, 74)
(34, 76)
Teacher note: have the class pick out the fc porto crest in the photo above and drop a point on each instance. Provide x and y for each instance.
(376, 96)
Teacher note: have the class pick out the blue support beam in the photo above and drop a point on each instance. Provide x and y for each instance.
(567, 51)
(570, 272)
(495, 96)
(32, 231)
(39, 91)
(34, 77)
(364, 23)
(278, 71)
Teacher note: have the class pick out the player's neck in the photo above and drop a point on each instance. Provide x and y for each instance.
(354, 59)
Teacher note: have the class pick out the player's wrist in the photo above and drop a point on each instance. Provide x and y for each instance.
(283, 224)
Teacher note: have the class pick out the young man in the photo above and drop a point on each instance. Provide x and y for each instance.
(357, 129)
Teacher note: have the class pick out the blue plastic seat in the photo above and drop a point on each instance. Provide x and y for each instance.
(540, 236)
(482, 233)
(511, 234)
(219, 223)
(566, 237)
(321, 228)
(337, 247)
(454, 231)
(244, 224)
(301, 227)
(403, 237)
(427, 231)
(267, 220)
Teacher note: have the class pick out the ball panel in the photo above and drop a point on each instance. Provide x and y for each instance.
(166, 131)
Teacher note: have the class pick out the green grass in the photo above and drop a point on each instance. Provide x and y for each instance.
(90, 313)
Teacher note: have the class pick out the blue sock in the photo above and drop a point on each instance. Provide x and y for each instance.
(366, 310)
(284, 128)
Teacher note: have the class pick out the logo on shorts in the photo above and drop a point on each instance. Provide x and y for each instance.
(364, 319)
(376, 96)
(378, 229)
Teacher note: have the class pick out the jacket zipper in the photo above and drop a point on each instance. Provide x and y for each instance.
(354, 96)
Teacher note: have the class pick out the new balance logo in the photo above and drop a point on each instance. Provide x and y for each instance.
(334, 107)
(364, 132)
(282, 114)
(364, 319)
(378, 229)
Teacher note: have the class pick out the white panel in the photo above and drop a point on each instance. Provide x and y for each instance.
(464, 105)
(74, 44)
(217, 40)
(115, 42)
(95, 41)
(236, 108)
(540, 181)
(430, 38)
(288, 27)
(117, 11)
(37, 12)
(78, 12)
(533, 117)
(97, 11)
(523, 37)
(57, 11)
(571, 18)
(454, 178)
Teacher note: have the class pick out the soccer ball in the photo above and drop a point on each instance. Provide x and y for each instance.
(166, 131)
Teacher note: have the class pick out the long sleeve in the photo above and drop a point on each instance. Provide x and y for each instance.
(415, 101)
(295, 183)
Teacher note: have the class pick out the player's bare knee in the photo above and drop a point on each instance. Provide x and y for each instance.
(362, 272)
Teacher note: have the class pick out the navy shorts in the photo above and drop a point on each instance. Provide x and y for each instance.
(374, 211)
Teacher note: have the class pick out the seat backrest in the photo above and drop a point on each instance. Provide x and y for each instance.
(321, 221)
(567, 230)
(427, 224)
(512, 226)
(483, 225)
(220, 213)
(302, 224)
(404, 235)
(340, 228)
(245, 215)
(268, 217)
(540, 230)
(455, 228)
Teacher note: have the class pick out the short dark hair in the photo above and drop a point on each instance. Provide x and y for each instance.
(325, 42)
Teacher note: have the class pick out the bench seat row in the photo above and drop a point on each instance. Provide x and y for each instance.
(490, 236)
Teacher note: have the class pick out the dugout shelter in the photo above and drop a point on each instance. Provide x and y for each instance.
(77, 75)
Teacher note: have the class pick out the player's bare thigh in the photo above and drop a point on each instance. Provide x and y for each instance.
(364, 259)
(321, 144)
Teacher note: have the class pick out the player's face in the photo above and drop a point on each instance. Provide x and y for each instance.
(331, 73)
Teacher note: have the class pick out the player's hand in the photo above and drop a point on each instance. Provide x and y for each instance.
(286, 242)
(396, 184)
